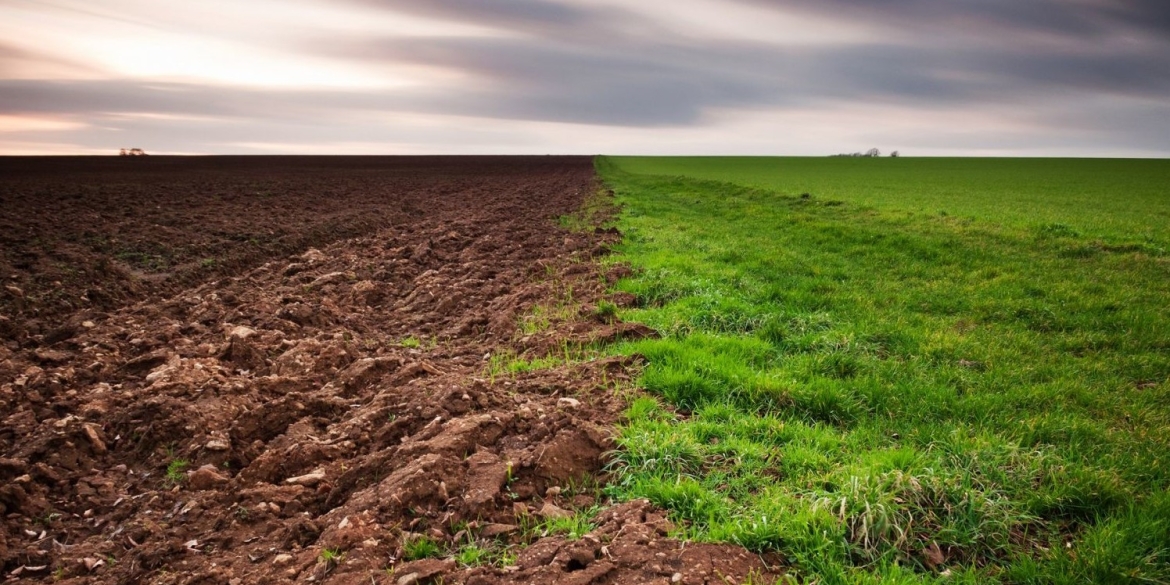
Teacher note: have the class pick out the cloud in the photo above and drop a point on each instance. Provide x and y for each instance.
(538, 18)
(1082, 19)
(672, 80)
(507, 13)
(648, 69)
(20, 63)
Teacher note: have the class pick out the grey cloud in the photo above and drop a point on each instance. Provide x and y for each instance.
(312, 121)
(1150, 15)
(122, 96)
(103, 97)
(511, 13)
(577, 83)
(540, 18)
(17, 62)
(634, 81)
(629, 85)
(605, 73)
(1083, 18)
(599, 65)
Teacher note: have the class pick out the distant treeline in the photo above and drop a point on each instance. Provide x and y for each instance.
(872, 153)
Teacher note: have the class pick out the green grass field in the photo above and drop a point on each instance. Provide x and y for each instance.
(926, 370)
(1122, 199)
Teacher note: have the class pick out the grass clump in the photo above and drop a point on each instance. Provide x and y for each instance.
(422, 546)
(593, 213)
(486, 553)
(886, 394)
(572, 527)
(474, 554)
(331, 557)
(507, 364)
(606, 311)
(543, 317)
(176, 471)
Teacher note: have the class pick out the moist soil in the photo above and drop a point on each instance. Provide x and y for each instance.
(317, 406)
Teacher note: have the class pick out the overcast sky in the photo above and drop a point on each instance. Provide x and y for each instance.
(798, 77)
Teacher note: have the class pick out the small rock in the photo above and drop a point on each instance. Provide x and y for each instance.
(217, 445)
(519, 509)
(408, 579)
(15, 291)
(59, 334)
(330, 278)
(675, 578)
(205, 478)
(424, 569)
(92, 563)
(550, 511)
(568, 402)
(91, 434)
(282, 559)
(309, 479)
(50, 356)
(88, 324)
(267, 507)
(552, 491)
(493, 530)
(241, 332)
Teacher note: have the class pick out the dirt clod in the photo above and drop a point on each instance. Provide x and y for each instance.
(205, 478)
(551, 511)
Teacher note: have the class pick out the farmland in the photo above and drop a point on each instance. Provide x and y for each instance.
(376, 378)
(456, 369)
(1111, 198)
(899, 370)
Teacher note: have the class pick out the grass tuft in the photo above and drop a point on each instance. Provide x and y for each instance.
(176, 471)
(422, 547)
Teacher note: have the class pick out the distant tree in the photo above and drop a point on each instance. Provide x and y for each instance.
(873, 152)
(894, 154)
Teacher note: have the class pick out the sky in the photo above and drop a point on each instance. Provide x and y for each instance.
(727, 77)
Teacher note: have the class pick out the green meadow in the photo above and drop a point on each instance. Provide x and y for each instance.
(904, 370)
(1124, 198)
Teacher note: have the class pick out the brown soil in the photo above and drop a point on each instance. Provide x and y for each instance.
(306, 424)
